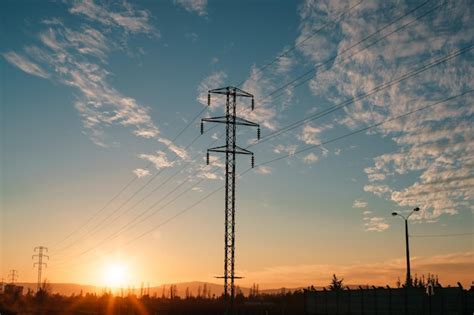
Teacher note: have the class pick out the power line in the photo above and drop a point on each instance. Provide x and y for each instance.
(97, 226)
(202, 111)
(312, 147)
(129, 183)
(376, 89)
(169, 178)
(296, 45)
(132, 223)
(364, 129)
(329, 60)
(333, 58)
(265, 137)
(276, 90)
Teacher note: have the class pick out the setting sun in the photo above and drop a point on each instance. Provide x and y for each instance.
(114, 274)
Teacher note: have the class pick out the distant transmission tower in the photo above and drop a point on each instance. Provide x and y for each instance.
(230, 149)
(40, 262)
(13, 276)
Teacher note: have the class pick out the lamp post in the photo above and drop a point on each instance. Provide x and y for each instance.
(394, 213)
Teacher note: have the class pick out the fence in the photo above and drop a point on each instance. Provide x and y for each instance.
(388, 301)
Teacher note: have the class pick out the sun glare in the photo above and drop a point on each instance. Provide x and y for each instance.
(114, 274)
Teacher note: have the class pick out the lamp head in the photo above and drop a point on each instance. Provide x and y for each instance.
(394, 213)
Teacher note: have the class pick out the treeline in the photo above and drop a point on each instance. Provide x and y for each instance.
(171, 304)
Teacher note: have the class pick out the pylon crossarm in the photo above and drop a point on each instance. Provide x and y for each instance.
(223, 149)
(245, 122)
(219, 119)
(231, 90)
(223, 90)
(242, 93)
(240, 150)
(238, 121)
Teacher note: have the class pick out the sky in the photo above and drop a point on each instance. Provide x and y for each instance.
(102, 160)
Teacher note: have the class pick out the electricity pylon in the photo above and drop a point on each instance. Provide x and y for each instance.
(40, 262)
(230, 149)
(13, 276)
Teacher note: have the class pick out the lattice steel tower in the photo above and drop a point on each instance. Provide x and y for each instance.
(40, 262)
(230, 149)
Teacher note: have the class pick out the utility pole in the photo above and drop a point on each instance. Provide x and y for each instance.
(13, 276)
(230, 149)
(40, 262)
(408, 282)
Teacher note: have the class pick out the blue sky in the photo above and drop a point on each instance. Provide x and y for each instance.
(93, 93)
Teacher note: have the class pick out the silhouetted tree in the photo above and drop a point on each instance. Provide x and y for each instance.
(336, 284)
(163, 293)
(43, 292)
(239, 295)
(254, 291)
(429, 281)
(173, 291)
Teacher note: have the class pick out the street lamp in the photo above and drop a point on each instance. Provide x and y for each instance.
(394, 213)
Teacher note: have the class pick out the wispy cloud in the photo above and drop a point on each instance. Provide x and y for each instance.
(281, 148)
(122, 15)
(212, 171)
(359, 204)
(264, 170)
(25, 64)
(310, 158)
(179, 151)
(432, 145)
(310, 134)
(159, 159)
(265, 112)
(375, 224)
(140, 172)
(195, 6)
(77, 57)
(378, 189)
(213, 81)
